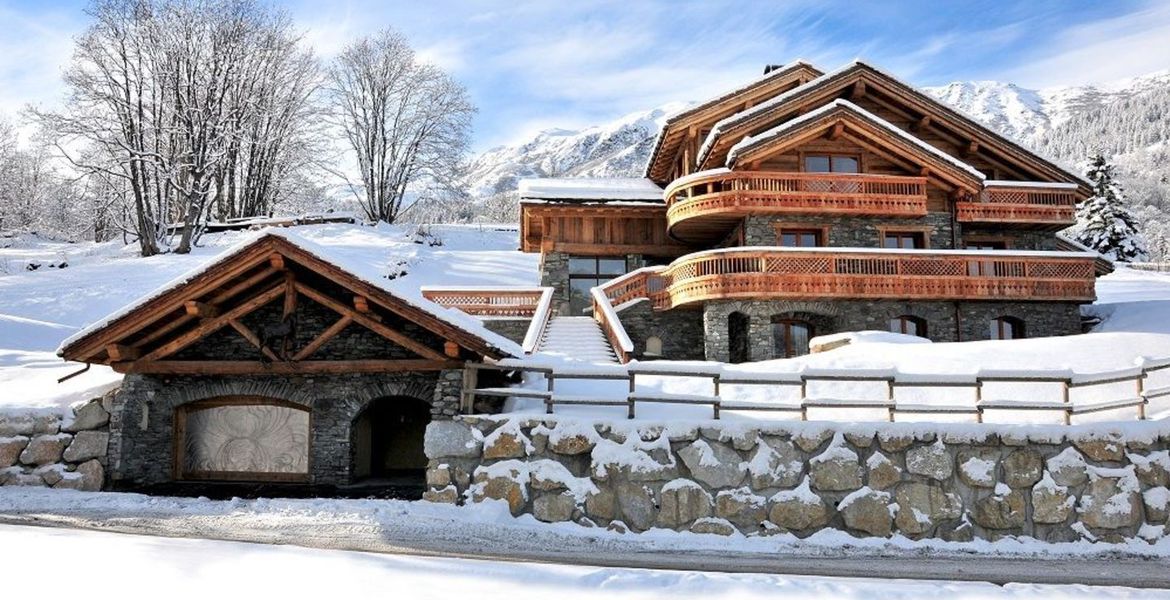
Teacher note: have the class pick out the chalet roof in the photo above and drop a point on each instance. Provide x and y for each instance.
(596, 189)
(838, 107)
(359, 271)
(761, 111)
(772, 74)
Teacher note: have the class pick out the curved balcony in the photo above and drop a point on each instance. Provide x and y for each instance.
(849, 273)
(1021, 204)
(706, 206)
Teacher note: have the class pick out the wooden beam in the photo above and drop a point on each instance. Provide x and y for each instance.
(290, 294)
(201, 310)
(972, 147)
(324, 336)
(277, 261)
(451, 349)
(858, 90)
(921, 124)
(228, 367)
(215, 300)
(837, 130)
(361, 304)
(368, 323)
(121, 352)
(254, 339)
(211, 325)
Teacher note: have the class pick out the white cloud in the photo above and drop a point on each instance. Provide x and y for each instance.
(1124, 46)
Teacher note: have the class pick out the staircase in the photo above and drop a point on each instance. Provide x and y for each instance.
(578, 338)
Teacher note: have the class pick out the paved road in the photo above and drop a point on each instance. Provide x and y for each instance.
(490, 541)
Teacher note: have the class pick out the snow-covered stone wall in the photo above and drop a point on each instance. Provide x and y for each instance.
(48, 450)
(950, 482)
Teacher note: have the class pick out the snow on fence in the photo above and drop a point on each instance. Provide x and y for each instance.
(891, 404)
(1159, 267)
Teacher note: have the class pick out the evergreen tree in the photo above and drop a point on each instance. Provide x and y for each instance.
(1103, 222)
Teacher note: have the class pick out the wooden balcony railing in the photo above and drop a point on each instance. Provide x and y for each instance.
(787, 273)
(1019, 203)
(487, 302)
(723, 192)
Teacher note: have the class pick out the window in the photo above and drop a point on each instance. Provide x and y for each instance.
(801, 238)
(653, 346)
(738, 343)
(983, 268)
(831, 163)
(586, 272)
(909, 325)
(1007, 328)
(905, 240)
(790, 337)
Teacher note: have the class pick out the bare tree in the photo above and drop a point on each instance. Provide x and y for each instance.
(406, 121)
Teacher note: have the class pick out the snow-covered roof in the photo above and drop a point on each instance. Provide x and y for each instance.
(747, 114)
(366, 267)
(780, 71)
(753, 141)
(590, 188)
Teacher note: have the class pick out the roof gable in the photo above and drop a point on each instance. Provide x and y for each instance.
(843, 118)
(280, 269)
(859, 79)
(673, 131)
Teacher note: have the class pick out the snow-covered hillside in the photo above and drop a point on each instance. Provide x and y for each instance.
(615, 149)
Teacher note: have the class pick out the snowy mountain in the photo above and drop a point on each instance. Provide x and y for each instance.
(616, 149)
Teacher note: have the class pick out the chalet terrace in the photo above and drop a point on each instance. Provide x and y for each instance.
(802, 204)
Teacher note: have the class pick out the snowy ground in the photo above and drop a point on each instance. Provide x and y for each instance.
(184, 568)
(488, 531)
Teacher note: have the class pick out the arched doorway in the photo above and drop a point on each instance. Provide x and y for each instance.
(737, 337)
(387, 439)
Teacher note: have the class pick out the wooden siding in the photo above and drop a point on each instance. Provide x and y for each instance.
(597, 230)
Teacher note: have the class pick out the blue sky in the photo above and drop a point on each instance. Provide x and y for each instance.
(531, 65)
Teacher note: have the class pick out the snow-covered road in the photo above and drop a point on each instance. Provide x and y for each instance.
(488, 531)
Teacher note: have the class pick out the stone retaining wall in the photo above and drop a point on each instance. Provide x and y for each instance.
(955, 483)
(51, 451)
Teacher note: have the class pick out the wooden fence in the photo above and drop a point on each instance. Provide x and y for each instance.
(890, 403)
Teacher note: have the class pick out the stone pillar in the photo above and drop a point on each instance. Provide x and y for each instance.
(554, 273)
(448, 389)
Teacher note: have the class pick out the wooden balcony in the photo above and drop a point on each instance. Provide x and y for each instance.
(484, 302)
(706, 206)
(1013, 204)
(840, 273)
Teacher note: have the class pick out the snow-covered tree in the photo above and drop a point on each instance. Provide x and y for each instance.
(1103, 222)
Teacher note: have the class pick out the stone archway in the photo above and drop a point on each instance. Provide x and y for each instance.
(386, 439)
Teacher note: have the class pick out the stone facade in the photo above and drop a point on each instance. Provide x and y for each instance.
(142, 419)
(513, 329)
(848, 231)
(52, 451)
(679, 331)
(955, 483)
(974, 318)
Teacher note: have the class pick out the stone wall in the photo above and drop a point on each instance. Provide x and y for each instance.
(955, 483)
(142, 415)
(513, 329)
(849, 231)
(681, 331)
(51, 451)
(1041, 319)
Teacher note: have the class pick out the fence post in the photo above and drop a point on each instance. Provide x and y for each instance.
(978, 400)
(470, 382)
(803, 397)
(630, 397)
(890, 396)
(1064, 394)
(1141, 392)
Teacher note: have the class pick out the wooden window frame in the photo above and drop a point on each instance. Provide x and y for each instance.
(822, 231)
(988, 239)
(923, 230)
(788, 323)
(859, 157)
(1017, 324)
(919, 322)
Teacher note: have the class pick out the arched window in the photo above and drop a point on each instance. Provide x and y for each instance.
(790, 337)
(653, 346)
(909, 325)
(1007, 328)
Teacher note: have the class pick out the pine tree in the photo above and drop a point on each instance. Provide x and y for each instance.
(1103, 221)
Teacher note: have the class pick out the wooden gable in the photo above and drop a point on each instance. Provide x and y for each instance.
(274, 308)
(843, 125)
(596, 229)
(907, 108)
(683, 132)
